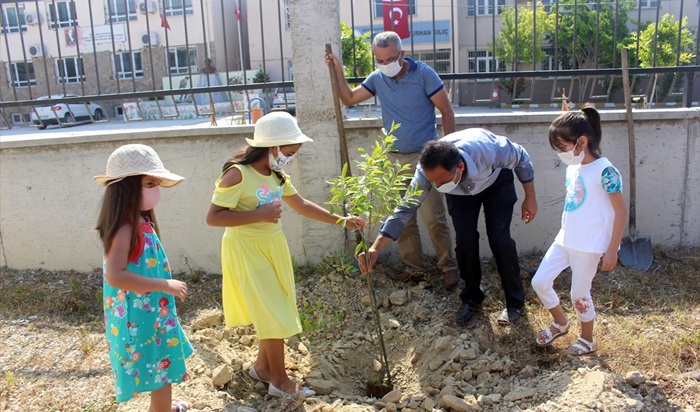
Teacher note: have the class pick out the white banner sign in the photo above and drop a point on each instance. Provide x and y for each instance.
(102, 34)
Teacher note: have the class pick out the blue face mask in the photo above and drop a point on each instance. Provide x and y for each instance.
(449, 186)
(281, 161)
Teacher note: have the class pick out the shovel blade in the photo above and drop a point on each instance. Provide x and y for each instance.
(636, 253)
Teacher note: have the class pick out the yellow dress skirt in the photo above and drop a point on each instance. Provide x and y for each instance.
(258, 285)
(258, 278)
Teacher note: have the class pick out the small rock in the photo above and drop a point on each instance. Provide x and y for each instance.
(393, 396)
(429, 404)
(222, 375)
(399, 298)
(321, 386)
(634, 404)
(207, 319)
(335, 277)
(393, 324)
(634, 378)
(302, 349)
(527, 372)
(455, 403)
(518, 394)
(447, 390)
(247, 340)
(435, 365)
(443, 343)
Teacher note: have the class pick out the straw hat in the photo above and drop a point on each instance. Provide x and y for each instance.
(277, 129)
(134, 160)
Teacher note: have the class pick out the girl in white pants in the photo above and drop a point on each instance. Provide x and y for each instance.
(591, 226)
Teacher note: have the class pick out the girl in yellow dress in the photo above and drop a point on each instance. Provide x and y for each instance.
(258, 278)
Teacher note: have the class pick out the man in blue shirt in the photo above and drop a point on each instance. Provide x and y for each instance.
(409, 92)
(473, 168)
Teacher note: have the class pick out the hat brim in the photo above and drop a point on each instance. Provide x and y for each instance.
(167, 179)
(299, 139)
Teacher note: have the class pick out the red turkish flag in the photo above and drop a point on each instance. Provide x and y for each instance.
(164, 22)
(396, 17)
(237, 12)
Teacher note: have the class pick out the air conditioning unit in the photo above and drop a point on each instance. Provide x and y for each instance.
(36, 50)
(148, 6)
(149, 39)
(31, 18)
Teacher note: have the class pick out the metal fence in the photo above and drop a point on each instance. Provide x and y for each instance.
(146, 59)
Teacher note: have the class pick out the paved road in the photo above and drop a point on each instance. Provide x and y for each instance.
(115, 126)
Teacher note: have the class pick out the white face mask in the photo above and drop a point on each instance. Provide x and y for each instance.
(570, 158)
(150, 197)
(449, 186)
(281, 161)
(391, 69)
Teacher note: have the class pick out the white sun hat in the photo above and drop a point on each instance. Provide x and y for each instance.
(134, 160)
(277, 129)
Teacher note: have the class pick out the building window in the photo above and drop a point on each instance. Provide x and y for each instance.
(70, 70)
(22, 74)
(442, 63)
(481, 61)
(485, 7)
(13, 20)
(121, 10)
(21, 118)
(175, 7)
(62, 14)
(287, 17)
(182, 60)
(547, 5)
(647, 4)
(128, 65)
(379, 8)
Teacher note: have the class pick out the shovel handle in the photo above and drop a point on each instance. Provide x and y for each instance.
(344, 156)
(630, 137)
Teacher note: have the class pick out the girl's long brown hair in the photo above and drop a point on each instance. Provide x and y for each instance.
(121, 204)
(248, 155)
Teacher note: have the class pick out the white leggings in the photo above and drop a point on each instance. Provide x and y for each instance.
(583, 268)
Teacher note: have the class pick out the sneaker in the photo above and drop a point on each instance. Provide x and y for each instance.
(509, 315)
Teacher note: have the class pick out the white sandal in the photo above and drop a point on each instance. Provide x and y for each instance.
(546, 337)
(254, 374)
(581, 347)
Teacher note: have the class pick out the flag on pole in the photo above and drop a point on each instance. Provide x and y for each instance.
(237, 11)
(164, 21)
(396, 17)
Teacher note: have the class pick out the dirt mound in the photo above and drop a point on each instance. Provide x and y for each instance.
(435, 364)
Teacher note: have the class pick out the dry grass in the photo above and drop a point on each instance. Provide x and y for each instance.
(646, 321)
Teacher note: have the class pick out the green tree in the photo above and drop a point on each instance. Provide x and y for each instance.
(374, 194)
(666, 45)
(533, 27)
(528, 42)
(588, 33)
(356, 53)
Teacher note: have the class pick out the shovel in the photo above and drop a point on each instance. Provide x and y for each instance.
(635, 250)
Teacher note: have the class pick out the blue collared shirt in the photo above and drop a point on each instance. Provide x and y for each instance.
(406, 101)
(484, 155)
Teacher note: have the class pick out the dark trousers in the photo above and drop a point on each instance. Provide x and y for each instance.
(498, 201)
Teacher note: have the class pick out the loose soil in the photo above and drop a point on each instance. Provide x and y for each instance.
(54, 356)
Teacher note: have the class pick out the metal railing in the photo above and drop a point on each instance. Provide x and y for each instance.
(158, 58)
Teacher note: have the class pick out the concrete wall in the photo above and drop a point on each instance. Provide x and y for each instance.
(49, 202)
